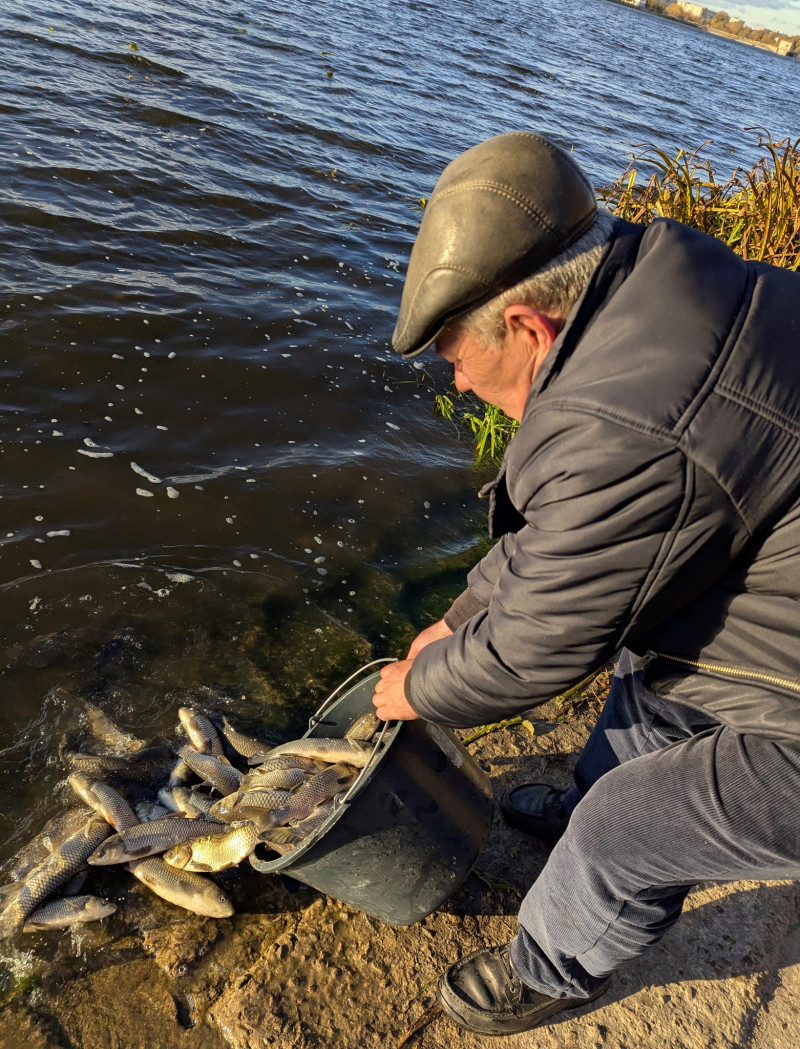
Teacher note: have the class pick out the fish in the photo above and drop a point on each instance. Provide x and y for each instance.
(285, 838)
(201, 732)
(224, 777)
(281, 839)
(286, 779)
(147, 811)
(185, 889)
(146, 765)
(245, 746)
(320, 788)
(180, 775)
(234, 806)
(287, 761)
(42, 845)
(103, 729)
(42, 882)
(58, 914)
(364, 727)
(330, 750)
(148, 839)
(215, 852)
(189, 803)
(106, 801)
(309, 826)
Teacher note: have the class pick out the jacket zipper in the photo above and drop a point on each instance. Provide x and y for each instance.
(719, 668)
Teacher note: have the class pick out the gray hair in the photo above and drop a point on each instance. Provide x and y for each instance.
(554, 289)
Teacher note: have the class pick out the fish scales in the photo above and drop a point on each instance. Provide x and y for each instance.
(148, 839)
(320, 788)
(245, 746)
(330, 750)
(244, 804)
(59, 914)
(224, 777)
(201, 732)
(144, 766)
(364, 727)
(185, 889)
(215, 852)
(312, 823)
(46, 841)
(106, 801)
(286, 779)
(288, 761)
(70, 857)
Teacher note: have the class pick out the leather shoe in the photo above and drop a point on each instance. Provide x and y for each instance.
(482, 993)
(536, 808)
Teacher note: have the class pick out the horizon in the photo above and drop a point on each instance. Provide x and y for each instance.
(780, 16)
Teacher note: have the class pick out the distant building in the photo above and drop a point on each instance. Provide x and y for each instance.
(734, 21)
(787, 47)
(694, 10)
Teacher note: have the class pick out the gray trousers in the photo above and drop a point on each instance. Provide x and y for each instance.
(663, 798)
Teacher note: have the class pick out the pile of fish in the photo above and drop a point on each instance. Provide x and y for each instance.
(221, 795)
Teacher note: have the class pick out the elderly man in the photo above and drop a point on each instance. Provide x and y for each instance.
(649, 505)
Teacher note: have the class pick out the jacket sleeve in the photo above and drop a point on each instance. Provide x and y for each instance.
(622, 530)
(482, 579)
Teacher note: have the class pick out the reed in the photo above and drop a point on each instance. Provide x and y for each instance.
(756, 213)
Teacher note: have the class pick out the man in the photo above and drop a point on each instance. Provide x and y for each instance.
(649, 505)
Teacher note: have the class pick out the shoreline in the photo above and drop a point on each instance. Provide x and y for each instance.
(759, 44)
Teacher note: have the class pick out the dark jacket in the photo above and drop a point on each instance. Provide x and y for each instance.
(650, 499)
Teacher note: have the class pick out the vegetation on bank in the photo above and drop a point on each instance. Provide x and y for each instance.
(755, 212)
(722, 22)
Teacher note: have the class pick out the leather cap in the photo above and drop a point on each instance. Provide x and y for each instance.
(499, 212)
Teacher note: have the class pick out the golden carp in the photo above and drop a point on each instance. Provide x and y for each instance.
(215, 852)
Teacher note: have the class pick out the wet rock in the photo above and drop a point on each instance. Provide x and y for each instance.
(21, 1029)
(176, 949)
(126, 1006)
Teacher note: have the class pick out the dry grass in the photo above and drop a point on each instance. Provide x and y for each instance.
(756, 212)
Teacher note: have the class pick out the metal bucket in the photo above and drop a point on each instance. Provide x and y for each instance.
(410, 828)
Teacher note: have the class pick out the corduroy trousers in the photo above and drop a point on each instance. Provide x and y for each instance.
(663, 798)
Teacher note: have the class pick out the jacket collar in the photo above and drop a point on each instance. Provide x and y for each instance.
(614, 267)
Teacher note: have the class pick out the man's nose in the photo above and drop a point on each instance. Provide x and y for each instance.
(461, 381)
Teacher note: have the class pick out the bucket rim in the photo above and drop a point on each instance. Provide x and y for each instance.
(363, 780)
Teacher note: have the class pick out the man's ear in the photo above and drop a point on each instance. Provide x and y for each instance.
(533, 324)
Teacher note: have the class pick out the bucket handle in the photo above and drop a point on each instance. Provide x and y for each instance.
(316, 719)
(356, 784)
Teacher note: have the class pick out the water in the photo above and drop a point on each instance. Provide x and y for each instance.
(214, 471)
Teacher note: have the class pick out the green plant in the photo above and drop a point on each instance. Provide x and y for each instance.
(491, 428)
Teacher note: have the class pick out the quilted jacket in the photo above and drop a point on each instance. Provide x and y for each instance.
(649, 500)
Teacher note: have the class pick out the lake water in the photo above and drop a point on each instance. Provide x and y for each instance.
(214, 474)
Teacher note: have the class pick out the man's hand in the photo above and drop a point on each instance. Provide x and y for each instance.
(390, 698)
(432, 633)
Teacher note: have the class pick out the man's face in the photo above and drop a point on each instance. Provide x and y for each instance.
(499, 374)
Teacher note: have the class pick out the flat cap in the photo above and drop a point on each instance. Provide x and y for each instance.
(499, 212)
